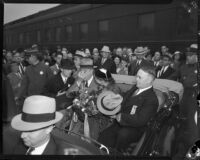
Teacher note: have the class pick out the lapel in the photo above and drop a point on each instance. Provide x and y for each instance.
(131, 100)
(51, 147)
(93, 86)
(60, 80)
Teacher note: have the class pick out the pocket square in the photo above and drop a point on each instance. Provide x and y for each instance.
(133, 110)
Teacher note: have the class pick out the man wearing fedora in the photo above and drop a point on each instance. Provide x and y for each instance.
(139, 104)
(35, 76)
(85, 79)
(140, 53)
(36, 123)
(105, 61)
(59, 83)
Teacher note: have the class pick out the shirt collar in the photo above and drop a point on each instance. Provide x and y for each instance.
(90, 81)
(143, 89)
(165, 68)
(39, 150)
(63, 78)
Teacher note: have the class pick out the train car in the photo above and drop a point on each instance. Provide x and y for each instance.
(78, 26)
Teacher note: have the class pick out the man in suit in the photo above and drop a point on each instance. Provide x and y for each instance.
(36, 123)
(139, 104)
(60, 81)
(157, 59)
(140, 53)
(35, 76)
(106, 62)
(38, 136)
(56, 67)
(85, 80)
(166, 71)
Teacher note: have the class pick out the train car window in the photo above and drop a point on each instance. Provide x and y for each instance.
(146, 24)
(58, 34)
(83, 31)
(49, 35)
(103, 29)
(38, 36)
(27, 37)
(68, 34)
(21, 38)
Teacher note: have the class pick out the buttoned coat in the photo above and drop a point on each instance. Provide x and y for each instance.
(147, 104)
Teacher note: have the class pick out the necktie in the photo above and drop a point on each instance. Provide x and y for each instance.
(161, 72)
(30, 150)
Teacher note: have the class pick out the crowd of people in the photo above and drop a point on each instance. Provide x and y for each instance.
(116, 116)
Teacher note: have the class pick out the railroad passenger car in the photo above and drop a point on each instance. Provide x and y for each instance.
(93, 25)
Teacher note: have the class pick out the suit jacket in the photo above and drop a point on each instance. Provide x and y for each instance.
(133, 67)
(15, 81)
(168, 74)
(92, 87)
(146, 103)
(109, 65)
(55, 84)
(55, 146)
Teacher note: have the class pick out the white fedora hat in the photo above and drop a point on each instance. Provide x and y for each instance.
(105, 49)
(38, 112)
(109, 103)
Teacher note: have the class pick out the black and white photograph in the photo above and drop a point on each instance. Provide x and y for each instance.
(112, 79)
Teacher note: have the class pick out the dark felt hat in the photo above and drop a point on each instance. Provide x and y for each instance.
(67, 64)
(102, 73)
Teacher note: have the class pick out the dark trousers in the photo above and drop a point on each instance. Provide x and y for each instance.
(120, 137)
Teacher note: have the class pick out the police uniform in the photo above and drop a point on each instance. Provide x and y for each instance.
(34, 79)
(188, 131)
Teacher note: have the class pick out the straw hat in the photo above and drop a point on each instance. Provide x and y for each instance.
(140, 50)
(38, 112)
(109, 103)
(105, 49)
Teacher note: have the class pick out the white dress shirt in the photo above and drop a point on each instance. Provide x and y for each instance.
(64, 78)
(39, 150)
(142, 90)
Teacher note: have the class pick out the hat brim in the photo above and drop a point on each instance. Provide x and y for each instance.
(138, 53)
(106, 51)
(86, 66)
(69, 68)
(20, 125)
(102, 110)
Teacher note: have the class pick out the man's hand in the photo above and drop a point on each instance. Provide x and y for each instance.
(117, 117)
(60, 93)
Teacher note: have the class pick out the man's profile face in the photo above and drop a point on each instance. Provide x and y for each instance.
(140, 56)
(34, 138)
(143, 79)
